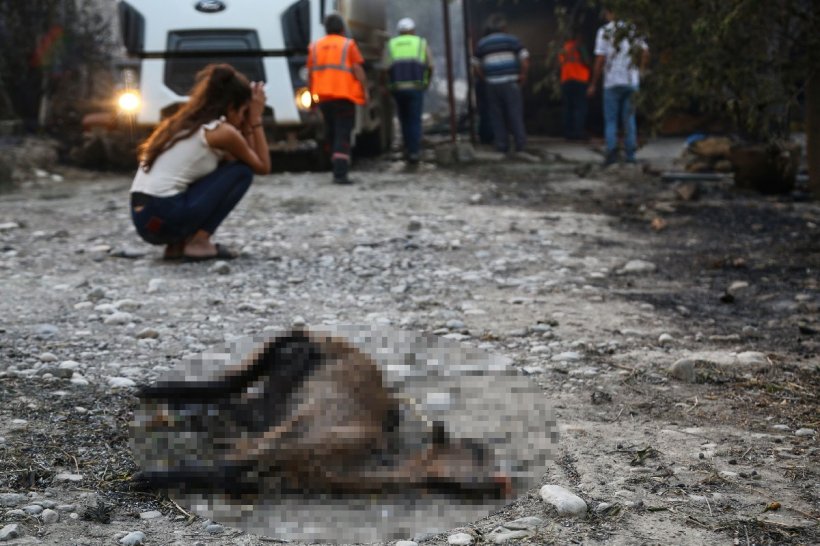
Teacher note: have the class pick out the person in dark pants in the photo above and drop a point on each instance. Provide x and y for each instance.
(574, 62)
(409, 67)
(197, 165)
(337, 78)
(502, 62)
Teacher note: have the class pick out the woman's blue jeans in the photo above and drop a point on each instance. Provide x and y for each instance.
(618, 105)
(203, 206)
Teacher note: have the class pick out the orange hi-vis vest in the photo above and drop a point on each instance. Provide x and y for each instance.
(572, 65)
(330, 61)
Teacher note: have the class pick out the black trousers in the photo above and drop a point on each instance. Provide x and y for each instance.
(340, 117)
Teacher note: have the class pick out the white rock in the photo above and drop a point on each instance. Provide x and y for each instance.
(736, 287)
(10, 532)
(406, 543)
(460, 539)
(120, 317)
(32, 509)
(565, 502)
(68, 365)
(68, 477)
(151, 514)
(134, 538)
(49, 516)
(804, 432)
(78, 379)
(665, 339)
(752, 358)
(569, 356)
(48, 357)
(148, 333)
(637, 267)
(127, 305)
(501, 534)
(121, 382)
(154, 285)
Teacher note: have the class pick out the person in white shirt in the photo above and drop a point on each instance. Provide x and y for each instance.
(197, 164)
(616, 49)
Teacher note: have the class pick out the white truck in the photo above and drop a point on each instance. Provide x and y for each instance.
(168, 42)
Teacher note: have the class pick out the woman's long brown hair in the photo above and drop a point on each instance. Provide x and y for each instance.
(217, 87)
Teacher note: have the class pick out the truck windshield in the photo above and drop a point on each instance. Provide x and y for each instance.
(190, 51)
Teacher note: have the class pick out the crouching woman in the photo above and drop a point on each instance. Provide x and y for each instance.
(198, 163)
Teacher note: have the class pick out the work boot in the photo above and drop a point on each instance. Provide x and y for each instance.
(611, 158)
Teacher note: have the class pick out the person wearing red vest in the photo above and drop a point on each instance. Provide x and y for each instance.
(338, 79)
(574, 80)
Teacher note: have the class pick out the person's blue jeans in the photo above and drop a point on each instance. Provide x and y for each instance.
(507, 115)
(409, 105)
(618, 105)
(204, 205)
(574, 99)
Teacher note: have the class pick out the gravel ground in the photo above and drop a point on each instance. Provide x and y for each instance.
(677, 339)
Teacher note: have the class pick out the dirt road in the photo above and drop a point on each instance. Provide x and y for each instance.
(595, 285)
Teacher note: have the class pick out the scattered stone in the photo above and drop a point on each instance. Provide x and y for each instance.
(121, 382)
(407, 543)
(46, 331)
(49, 516)
(737, 287)
(637, 267)
(565, 502)
(11, 499)
(460, 539)
(119, 318)
(134, 538)
(68, 477)
(154, 285)
(151, 514)
(700, 367)
(214, 529)
(10, 532)
(221, 268)
(48, 357)
(32, 509)
(804, 432)
(148, 333)
(665, 339)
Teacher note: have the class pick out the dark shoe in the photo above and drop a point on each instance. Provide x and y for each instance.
(413, 159)
(222, 253)
(610, 159)
(344, 181)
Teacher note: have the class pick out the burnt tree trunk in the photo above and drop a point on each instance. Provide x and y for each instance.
(813, 131)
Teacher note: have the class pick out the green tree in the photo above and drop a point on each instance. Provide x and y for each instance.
(754, 64)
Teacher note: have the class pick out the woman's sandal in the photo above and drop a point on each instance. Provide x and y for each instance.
(222, 253)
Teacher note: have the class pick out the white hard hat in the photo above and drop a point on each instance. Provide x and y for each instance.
(406, 25)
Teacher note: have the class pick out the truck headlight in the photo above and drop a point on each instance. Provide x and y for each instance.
(304, 99)
(129, 101)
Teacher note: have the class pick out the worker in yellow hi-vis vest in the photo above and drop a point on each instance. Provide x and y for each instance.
(409, 67)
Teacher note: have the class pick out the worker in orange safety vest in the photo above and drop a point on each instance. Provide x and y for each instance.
(337, 79)
(574, 62)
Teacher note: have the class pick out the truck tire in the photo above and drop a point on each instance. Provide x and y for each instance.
(377, 141)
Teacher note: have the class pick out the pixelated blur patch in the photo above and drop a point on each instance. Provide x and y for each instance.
(343, 433)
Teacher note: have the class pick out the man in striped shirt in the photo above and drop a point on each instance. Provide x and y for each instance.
(502, 62)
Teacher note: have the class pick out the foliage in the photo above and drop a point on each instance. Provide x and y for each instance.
(742, 61)
(50, 49)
